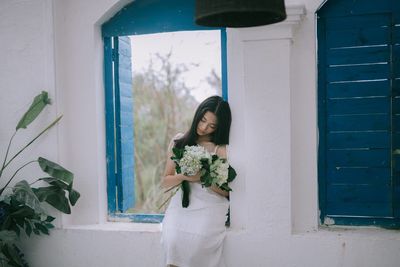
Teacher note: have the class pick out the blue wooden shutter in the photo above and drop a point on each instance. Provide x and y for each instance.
(110, 125)
(357, 112)
(124, 122)
(396, 105)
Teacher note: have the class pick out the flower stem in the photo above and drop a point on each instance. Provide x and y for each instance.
(172, 187)
(169, 198)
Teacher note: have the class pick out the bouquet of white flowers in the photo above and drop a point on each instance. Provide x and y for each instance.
(214, 170)
(192, 158)
(218, 172)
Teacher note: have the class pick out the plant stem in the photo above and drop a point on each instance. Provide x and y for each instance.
(12, 177)
(33, 140)
(165, 202)
(5, 158)
(34, 182)
(172, 187)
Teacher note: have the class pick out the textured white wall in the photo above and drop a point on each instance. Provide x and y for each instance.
(56, 45)
(27, 68)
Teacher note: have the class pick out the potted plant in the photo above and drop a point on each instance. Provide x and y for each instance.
(22, 209)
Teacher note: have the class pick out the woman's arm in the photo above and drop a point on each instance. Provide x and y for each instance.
(216, 189)
(170, 178)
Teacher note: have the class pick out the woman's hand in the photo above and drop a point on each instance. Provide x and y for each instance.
(218, 190)
(194, 178)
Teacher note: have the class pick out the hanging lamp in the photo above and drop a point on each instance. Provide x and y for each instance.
(239, 13)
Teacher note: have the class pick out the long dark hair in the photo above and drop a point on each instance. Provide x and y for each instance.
(222, 111)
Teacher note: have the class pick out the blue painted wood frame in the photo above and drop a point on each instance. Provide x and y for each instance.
(110, 126)
(346, 10)
(224, 65)
(142, 17)
(117, 132)
(321, 119)
(145, 17)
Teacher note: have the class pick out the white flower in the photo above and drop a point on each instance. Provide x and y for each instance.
(190, 163)
(219, 171)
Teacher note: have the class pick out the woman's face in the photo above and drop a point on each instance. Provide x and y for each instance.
(207, 125)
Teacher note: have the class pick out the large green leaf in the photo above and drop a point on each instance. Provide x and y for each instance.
(41, 193)
(73, 196)
(59, 201)
(55, 196)
(38, 104)
(24, 194)
(56, 182)
(56, 171)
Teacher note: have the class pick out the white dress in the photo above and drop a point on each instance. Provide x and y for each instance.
(194, 236)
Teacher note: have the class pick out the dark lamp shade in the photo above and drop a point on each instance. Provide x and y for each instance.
(239, 13)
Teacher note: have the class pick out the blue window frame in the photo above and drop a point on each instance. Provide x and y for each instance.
(359, 112)
(139, 17)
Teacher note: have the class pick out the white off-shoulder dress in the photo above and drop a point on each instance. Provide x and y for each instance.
(194, 236)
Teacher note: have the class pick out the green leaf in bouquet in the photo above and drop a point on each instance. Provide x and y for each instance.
(185, 193)
(56, 171)
(206, 180)
(178, 153)
(38, 104)
(225, 187)
(231, 174)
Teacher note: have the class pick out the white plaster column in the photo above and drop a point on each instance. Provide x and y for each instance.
(259, 92)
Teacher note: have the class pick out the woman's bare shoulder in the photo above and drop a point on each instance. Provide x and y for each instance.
(221, 151)
(178, 136)
(172, 142)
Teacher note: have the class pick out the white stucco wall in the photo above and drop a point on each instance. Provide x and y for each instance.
(56, 45)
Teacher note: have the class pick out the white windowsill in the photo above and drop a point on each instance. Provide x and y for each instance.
(367, 232)
(118, 226)
(131, 227)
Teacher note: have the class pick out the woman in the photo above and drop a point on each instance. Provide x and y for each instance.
(193, 236)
